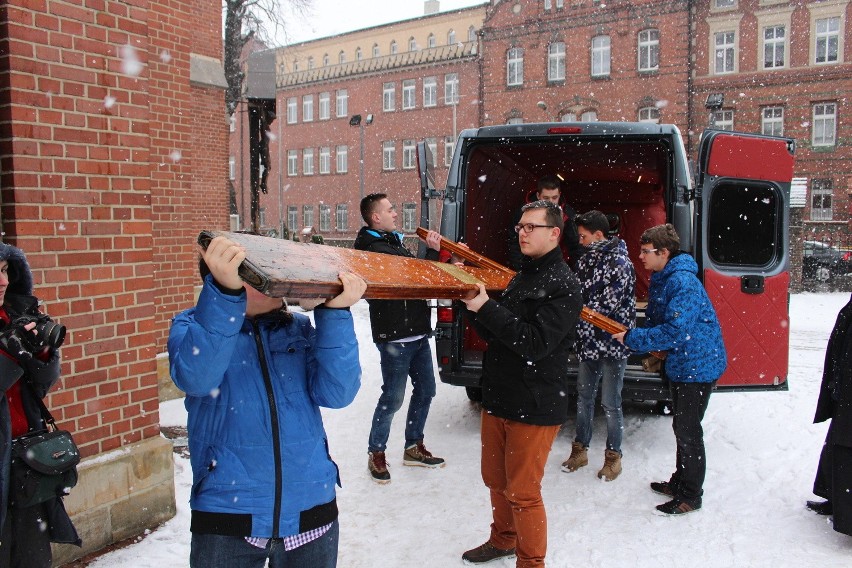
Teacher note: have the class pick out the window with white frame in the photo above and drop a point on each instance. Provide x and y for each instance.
(307, 215)
(295, 65)
(376, 51)
(342, 103)
(451, 88)
(589, 116)
(449, 148)
(307, 108)
(409, 217)
(649, 50)
(389, 97)
(232, 168)
(822, 191)
(308, 161)
(515, 120)
(560, 4)
(324, 218)
(568, 117)
(548, 4)
(310, 62)
(471, 33)
(649, 114)
(341, 57)
(515, 67)
(724, 4)
(232, 123)
(430, 41)
(292, 219)
(292, 110)
(600, 56)
(430, 91)
(325, 60)
(555, 61)
(292, 162)
(824, 124)
(359, 55)
(725, 52)
(388, 155)
(827, 40)
(341, 154)
(409, 158)
(408, 98)
(772, 121)
(412, 44)
(774, 46)
(451, 37)
(723, 120)
(341, 215)
(325, 160)
(324, 106)
(393, 47)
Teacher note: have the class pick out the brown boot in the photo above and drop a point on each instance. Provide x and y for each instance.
(578, 458)
(612, 466)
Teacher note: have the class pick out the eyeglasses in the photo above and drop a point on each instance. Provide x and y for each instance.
(646, 251)
(530, 227)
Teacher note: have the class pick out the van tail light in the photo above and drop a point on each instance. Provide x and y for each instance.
(565, 130)
(445, 311)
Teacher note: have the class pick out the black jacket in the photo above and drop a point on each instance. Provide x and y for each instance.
(394, 319)
(835, 395)
(530, 331)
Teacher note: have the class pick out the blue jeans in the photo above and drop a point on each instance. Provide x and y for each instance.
(398, 362)
(218, 551)
(610, 374)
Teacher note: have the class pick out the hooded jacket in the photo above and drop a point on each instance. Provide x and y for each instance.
(394, 319)
(681, 321)
(254, 387)
(835, 394)
(530, 331)
(37, 377)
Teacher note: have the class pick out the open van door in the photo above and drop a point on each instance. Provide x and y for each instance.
(429, 214)
(743, 186)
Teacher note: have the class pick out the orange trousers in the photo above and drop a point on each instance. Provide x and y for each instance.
(513, 459)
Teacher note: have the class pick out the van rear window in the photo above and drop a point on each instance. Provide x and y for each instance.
(743, 225)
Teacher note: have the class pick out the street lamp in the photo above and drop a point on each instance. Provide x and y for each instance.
(356, 120)
(714, 103)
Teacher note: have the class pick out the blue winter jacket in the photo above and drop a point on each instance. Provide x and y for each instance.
(254, 388)
(681, 321)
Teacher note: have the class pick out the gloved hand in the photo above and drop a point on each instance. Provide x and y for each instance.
(18, 342)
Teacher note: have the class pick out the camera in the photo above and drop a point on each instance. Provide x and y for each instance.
(48, 333)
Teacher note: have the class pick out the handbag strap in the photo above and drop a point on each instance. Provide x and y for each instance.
(45, 413)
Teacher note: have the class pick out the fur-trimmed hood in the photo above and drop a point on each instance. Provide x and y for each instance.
(20, 277)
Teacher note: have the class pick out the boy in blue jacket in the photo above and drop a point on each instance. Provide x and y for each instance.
(255, 377)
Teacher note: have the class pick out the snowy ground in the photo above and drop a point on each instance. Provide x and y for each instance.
(762, 452)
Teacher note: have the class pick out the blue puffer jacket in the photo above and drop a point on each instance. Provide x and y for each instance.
(259, 453)
(681, 321)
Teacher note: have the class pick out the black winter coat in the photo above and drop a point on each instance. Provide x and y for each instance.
(530, 331)
(394, 319)
(835, 395)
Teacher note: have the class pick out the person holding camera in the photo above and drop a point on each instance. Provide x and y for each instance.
(29, 366)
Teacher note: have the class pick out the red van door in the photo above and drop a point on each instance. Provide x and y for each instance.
(743, 251)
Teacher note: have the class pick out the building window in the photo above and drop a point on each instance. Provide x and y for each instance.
(308, 108)
(292, 162)
(548, 4)
(560, 4)
(292, 110)
(821, 194)
(295, 65)
(409, 217)
(311, 62)
(388, 155)
(471, 33)
(449, 149)
(725, 52)
(325, 106)
(409, 158)
(393, 47)
(232, 168)
(358, 54)
(515, 120)
(342, 159)
(649, 114)
(649, 50)
(515, 67)
(774, 43)
(325, 60)
(589, 116)
(824, 124)
(292, 219)
(430, 41)
(451, 37)
(568, 117)
(325, 218)
(307, 215)
(451, 88)
(430, 91)
(376, 52)
(772, 121)
(262, 217)
(232, 123)
(408, 87)
(308, 161)
(723, 4)
(389, 97)
(412, 44)
(341, 57)
(341, 215)
(600, 56)
(342, 103)
(723, 120)
(325, 160)
(555, 62)
(827, 35)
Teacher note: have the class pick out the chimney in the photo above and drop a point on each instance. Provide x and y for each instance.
(431, 7)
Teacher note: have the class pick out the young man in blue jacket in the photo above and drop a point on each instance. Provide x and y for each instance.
(255, 377)
(682, 322)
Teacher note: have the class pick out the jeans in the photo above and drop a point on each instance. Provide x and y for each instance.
(610, 374)
(689, 403)
(218, 551)
(398, 361)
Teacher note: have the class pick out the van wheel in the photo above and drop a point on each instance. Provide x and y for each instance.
(474, 393)
(663, 407)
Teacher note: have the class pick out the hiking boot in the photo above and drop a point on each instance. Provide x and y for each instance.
(663, 488)
(378, 467)
(578, 458)
(678, 507)
(820, 507)
(486, 553)
(612, 466)
(418, 455)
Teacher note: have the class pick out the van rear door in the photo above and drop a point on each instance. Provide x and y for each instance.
(743, 251)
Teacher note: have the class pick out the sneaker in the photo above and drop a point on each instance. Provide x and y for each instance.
(820, 507)
(678, 507)
(418, 455)
(578, 458)
(486, 553)
(378, 467)
(612, 466)
(663, 488)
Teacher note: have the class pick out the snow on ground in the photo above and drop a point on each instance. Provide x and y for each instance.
(762, 452)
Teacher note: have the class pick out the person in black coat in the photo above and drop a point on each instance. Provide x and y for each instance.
(833, 480)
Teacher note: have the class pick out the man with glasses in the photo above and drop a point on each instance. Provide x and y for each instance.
(681, 321)
(530, 331)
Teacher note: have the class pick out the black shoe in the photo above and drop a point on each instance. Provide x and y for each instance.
(678, 507)
(663, 488)
(820, 507)
(486, 553)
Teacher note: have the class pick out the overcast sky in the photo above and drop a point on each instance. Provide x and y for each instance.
(331, 17)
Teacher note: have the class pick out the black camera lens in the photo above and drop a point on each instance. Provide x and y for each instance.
(52, 333)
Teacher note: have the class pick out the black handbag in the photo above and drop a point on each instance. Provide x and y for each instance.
(43, 465)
